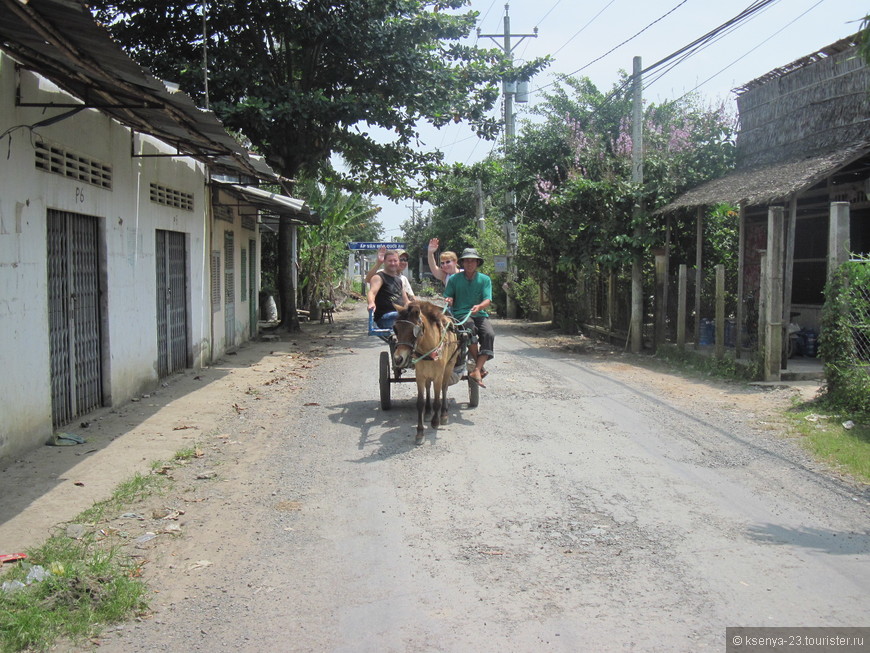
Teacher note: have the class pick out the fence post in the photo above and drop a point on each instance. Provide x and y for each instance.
(720, 311)
(681, 308)
(699, 275)
(741, 270)
(838, 236)
(773, 295)
(661, 268)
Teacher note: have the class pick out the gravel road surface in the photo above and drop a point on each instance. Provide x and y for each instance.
(585, 504)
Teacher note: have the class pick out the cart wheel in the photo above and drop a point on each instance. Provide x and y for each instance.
(473, 394)
(385, 380)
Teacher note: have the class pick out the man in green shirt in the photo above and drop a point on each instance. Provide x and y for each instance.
(469, 292)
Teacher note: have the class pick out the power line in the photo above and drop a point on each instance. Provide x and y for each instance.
(548, 13)
(616, 47)
(750, 51)
(704, 45)
(583, 28)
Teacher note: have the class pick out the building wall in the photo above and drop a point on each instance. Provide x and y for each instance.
(817, 107)
(230, 214)
(128, 220)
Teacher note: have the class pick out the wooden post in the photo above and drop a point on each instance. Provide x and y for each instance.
(760, 330)
(636, 327)
(720, 311)
(699, 277)
(838, 236)
(611, 301)
(741, 271)
(681, 307)
(667, 293)
(788, 275)
(661, 267)
(773, 294)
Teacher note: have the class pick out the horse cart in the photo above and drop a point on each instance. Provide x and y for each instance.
(389, 373)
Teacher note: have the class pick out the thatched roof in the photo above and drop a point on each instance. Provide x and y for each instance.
(767, 184)
(798, 124)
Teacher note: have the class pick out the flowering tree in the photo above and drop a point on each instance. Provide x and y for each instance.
(572, 173)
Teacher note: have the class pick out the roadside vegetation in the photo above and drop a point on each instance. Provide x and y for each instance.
(82, 579)
(840, 438)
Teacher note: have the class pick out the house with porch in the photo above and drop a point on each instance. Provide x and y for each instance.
(802, 185)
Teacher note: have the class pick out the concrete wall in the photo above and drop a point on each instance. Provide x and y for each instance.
(128, 220)
(243, 224)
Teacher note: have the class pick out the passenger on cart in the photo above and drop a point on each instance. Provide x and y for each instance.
(403, 265)
(386, 292)
(469, 294)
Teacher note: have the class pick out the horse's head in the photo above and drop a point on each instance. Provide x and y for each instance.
(408, 327)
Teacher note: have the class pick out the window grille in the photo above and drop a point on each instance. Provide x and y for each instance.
(171, 197)
(59, 161)
(244, 274)
(223, 212)
(215, 281)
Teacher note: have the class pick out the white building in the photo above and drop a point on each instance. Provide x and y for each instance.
(121, 261)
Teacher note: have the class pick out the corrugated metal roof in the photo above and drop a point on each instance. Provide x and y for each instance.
(271, 203)
(60, 40)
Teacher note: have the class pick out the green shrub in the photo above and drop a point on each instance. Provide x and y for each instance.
(844, 343)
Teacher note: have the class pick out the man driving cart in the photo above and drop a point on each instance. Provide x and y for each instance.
(469, 294)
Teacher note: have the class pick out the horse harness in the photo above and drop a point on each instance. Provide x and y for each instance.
(432, 354)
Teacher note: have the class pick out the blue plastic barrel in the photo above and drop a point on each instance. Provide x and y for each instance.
(811, 343)
(708, 332)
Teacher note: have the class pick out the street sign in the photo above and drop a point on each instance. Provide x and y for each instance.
(501, 263)
(362, 247)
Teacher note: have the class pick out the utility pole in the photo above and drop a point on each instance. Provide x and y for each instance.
(510, 90)
(478, 197)
(636, 326)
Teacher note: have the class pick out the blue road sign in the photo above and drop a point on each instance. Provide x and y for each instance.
(374, 246)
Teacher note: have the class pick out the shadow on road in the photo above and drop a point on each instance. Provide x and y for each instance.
(816, 539)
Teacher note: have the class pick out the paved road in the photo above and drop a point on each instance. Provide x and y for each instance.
(570, 511)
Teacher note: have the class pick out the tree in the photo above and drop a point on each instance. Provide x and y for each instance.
(577, 163)
(323, 252)
(305, 79)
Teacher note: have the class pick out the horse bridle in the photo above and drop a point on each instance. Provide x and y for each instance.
(418, 329)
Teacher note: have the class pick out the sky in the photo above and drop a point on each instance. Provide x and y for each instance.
(579, 35)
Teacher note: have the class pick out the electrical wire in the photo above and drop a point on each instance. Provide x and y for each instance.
(548, 13)
(727, 26)
(616, 47)
(750, 51)
(583, 28)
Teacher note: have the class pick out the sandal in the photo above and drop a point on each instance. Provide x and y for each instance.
(477, 380)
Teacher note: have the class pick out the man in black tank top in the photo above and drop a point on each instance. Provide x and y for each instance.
(385, 290)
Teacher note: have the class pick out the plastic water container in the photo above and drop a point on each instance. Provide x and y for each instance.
(811, 343)
(730, 332)
(708, 331)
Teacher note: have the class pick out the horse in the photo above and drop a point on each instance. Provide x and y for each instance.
(426, 339)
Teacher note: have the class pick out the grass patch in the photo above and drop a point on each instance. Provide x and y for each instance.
(824, 435)
(73, 588)
(690, 361)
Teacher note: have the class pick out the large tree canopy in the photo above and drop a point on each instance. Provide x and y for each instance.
(305, 79)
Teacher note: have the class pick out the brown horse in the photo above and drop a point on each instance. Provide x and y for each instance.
(426, 341)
